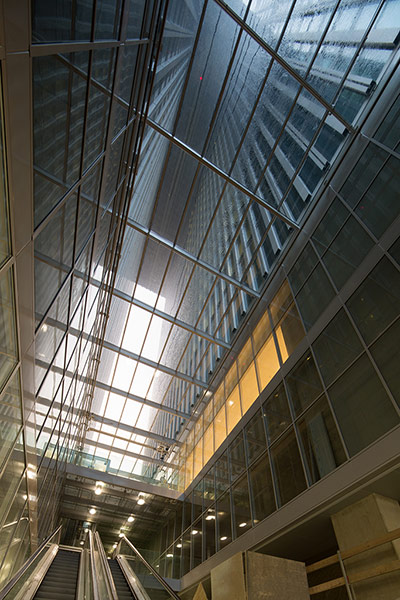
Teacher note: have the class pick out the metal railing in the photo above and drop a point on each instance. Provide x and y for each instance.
(102, 580)
(42, 557)
(138, 578)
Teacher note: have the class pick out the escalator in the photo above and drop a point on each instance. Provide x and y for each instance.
(61, 579)
(123, 589)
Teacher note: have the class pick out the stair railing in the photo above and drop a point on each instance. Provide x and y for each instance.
(135, 580)
(103, 583)
(28, 578)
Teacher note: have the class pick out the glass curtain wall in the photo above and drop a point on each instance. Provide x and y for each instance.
(340, 394)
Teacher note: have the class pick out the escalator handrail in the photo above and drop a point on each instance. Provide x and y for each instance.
(27, 564)
(94, 539)
(159, 578)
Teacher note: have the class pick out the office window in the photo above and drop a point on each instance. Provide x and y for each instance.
(255, 437)
(385, 353)
(267, 362)
(241, 506)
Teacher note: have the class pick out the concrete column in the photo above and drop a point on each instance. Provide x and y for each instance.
(370, 518)
(253, 576)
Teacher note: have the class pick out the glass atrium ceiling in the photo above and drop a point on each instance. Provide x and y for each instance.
(250, 104)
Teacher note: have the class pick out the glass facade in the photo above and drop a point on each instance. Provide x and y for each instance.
(204, 291)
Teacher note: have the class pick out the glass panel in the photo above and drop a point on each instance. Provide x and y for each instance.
(248, 388)
(241, 506)
(4, 220)
(287, 467)
(262, 490)
(221, 474)
(303, 383)
(289, 332)
(59, 95)
(376, 302)
(261, 332)
(267, 362)
(219, 427)
(233, 409)
(336, 347)
(363, 409)
(224, 520)
(276, 413)
(281, 303)
(197, 543)
(10, 417)
(8, 337)
(255, 437)
(314, 296)
(208, 443)
(320, 440)
(61, 21)
(237, 460)
(209, 523)
(385, 353)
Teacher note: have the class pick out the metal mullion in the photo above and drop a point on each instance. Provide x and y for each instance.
(211, 125)
(322, 122)
(391, 151)
(152, 364)
(152, 235)
(303, 82)
(173, 320)
(6, 266)
(71, 190)
(50, 48)
(249, 121)
(191, 152)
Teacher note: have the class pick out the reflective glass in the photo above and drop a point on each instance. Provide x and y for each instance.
(363, 409)
(385, 353)
(267, 362)
(314, 296)
(336, 347)
(4, 224)
(224, 520)
(209, 526)
(288, 470)
(262, 490)
(320, 441)
(303, 383)
(8, 335)
(376, 302)
(248, 388)
(276, 413)
(10, 417)
(241, 506)
(255, 437)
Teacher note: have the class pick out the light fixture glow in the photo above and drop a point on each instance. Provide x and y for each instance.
(115, 545)
(121, 534)
(194, 531)
(141, 501)
(92, 511)
(170, 555)
(179, 545)
(210, 517)
(81, 543)
(223, 538)
(131, 519)
(98, 491)
(242, 524)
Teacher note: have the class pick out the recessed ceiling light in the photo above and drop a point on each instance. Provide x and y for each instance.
(242, 524)
(179, 545)
(81, 543)
(210, 517)
(131, 519)
(194, 531)
(121, 534)
(141, 501)
(115, 545)
(92, 511)
(170, 555)
(223, 538)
